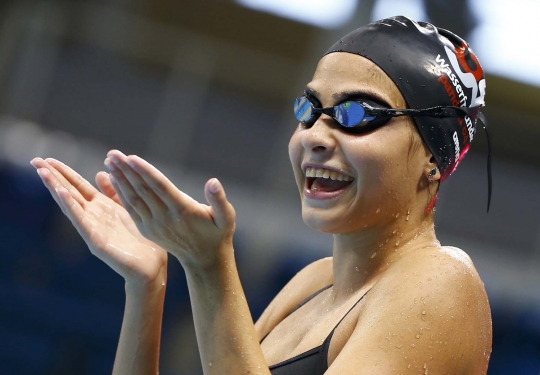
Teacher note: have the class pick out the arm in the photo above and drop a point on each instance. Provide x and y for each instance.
(200, 237)
(112, 236)
(138, 346)
(228, 342)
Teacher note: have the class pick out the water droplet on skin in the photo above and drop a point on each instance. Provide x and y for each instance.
(423, 312)
(210, 364)
(417, 336)
(399, 346)
(413, 345)
(373, 255)
(356, 268)
(378, 210)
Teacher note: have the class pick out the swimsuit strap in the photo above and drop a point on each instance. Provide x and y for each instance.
(309, 298)
(326, 343)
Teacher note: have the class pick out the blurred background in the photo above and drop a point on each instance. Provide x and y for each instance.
(204, 89)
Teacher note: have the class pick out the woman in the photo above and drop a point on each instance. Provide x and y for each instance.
(390, 300)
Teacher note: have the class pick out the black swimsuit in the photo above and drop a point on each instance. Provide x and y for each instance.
(314, 361)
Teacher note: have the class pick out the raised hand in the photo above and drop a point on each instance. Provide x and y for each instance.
(103, 223)
(197, 234)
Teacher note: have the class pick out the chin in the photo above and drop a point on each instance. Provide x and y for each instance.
(325, 221)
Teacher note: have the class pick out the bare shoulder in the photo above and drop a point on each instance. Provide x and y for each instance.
(428, 313)
(307, 281)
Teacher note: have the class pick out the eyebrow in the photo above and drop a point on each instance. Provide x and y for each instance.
(348, 95)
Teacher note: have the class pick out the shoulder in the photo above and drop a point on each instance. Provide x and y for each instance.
(428, 312)
(307, 281)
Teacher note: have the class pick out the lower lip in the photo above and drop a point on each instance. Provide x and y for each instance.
(322, 195)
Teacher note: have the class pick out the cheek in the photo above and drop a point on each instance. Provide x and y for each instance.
(295, 154)
(380, 160)
(295, 148)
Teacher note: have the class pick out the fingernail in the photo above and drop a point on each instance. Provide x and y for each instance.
(109, 165)
(114, 159)
(48, 160)
(130, 163)
(41, 171)
(214, 186)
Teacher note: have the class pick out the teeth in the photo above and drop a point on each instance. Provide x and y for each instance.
(325, 173)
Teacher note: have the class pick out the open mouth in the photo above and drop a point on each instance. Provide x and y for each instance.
(326, 181)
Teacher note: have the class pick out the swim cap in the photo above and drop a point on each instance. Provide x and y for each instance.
(431, 67)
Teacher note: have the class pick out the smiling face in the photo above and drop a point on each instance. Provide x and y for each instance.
(349, 182)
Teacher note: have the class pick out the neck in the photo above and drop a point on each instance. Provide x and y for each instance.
(361, 257)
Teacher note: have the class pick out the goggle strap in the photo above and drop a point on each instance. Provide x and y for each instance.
(482, 118)
(438, 112)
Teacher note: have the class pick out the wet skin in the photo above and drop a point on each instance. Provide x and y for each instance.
(427, 308)
(426, 311)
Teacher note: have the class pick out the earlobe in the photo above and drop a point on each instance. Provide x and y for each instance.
(433, 174)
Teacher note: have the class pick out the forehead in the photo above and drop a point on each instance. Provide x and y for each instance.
(340, 72)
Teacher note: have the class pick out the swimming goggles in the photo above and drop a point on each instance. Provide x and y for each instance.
(364, 115)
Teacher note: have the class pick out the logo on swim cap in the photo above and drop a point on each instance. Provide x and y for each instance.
(465, 85)
(431, 67)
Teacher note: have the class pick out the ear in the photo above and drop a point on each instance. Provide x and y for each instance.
(431, 171)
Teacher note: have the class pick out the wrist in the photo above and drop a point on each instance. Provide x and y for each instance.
(149, 285)
(209, 262)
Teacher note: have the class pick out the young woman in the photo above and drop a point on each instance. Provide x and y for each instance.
(390, 300)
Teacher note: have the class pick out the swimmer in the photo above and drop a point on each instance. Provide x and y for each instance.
(390, 112)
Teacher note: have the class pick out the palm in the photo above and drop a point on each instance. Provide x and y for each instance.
(103, 223)
(112, 236)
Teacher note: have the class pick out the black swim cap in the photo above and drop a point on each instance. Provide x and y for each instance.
(431, 67)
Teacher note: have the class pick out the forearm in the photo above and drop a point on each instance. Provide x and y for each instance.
(138, 347)
(226, 335)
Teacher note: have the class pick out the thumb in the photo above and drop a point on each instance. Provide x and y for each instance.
(222, 210)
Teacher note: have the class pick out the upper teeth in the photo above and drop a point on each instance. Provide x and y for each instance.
(325, 173)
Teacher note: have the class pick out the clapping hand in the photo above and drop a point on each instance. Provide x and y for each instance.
(197, 234)
(103, 223)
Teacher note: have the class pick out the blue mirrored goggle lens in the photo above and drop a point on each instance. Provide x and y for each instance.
(349, 114)
(302, 109)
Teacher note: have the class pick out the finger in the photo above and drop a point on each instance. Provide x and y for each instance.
(60, 179)
(222, 211)
(73, 210)
(51, 184)
(143, 190)
(104, 184)
(123, 201)
(133, 204)
(83, 186)
(161, 185)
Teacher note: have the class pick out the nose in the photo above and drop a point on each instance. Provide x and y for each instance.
(319, 138)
